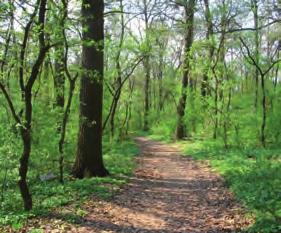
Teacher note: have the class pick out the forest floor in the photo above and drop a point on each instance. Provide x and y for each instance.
(169, 193)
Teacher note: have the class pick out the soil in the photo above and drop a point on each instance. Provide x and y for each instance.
(168, 194)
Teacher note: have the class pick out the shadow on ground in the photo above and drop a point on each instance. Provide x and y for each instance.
(169, 194)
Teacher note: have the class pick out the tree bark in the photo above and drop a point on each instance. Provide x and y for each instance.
(89, 160)
(208, 17)
(26, 126)
(181, 127)
(119, 74)
(264, 111)
(146, 64)
(23, 169)
(256, 26)
(147, 93)
(59, 79)
(263, 74)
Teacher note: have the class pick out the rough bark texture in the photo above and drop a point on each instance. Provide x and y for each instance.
(181, 128)
(89, 161)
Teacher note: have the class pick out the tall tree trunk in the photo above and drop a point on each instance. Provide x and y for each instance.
(89, 160)
(219, 89)
(160, 70)
(72, 83)
(215, 133)
(209, 35)
(181, 128)
(114, 108)
(264, 111)
(160, 86)
(277, 69)
(23, 169)
(59, 79)
(256, 25)
(146, 64)
(26, 128)
(119, 73)
(59, 52)
(146, 92)
(263, 86)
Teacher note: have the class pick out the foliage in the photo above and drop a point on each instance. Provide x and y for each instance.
(232, 112)
(52, 194)
(252, 174)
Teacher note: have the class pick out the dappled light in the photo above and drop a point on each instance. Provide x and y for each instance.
(153, 116)
(169, 193)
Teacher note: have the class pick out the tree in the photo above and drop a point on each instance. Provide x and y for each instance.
(72, 83)
(189, 19)
(262, 72)
(25, 124)
(89, 160)
(59, 52)
(146, 64)
(254, 7)
(209, 37)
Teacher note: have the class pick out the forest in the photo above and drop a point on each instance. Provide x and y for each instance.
(140, 116)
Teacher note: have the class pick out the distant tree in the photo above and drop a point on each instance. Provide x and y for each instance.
(254, 7)
(189, 7)
(205, 89)
(262, 72)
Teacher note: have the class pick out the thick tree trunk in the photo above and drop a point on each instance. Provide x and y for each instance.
(181, 127)
(89, 160)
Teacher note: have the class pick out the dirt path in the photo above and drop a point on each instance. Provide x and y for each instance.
(169, 193)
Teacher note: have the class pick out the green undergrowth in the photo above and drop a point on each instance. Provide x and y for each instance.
(162, 138)
(252, 174)
(155, 134)
(51, 194)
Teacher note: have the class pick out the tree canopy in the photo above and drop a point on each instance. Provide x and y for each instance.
(80, 79)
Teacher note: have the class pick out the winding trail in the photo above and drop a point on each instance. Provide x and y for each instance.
(168, 194)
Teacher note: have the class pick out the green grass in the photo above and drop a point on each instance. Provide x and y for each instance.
(254, 175)
(47, 195)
